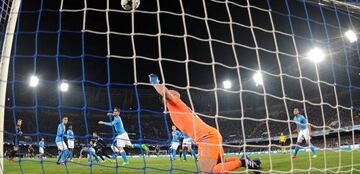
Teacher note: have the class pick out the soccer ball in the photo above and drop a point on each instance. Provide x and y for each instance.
(129, 4)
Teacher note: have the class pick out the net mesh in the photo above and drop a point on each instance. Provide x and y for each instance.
(4, 14)
(106, 53)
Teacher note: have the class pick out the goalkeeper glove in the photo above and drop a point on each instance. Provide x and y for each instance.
(153, 79)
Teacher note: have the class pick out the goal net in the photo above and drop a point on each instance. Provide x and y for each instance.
(242, 66)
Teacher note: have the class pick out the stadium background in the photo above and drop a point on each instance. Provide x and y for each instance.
(99, 81)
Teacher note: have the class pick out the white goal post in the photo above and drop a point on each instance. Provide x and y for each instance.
(4, 66)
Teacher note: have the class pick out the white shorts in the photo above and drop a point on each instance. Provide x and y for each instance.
(174, 145)
(61, 145)
(41, 150)
(123, 140)
(71, 144)
(187, 142)
(304, 134)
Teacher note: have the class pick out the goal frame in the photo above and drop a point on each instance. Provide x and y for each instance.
(4, 70)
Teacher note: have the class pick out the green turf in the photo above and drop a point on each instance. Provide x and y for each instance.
(280, 162)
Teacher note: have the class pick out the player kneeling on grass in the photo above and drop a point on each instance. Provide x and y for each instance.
(64, 152)
(303, 131)
(89, 152)
(210, 150)
(122, 138)
(83, 152)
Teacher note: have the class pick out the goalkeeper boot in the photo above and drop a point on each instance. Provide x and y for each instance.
(145, 148)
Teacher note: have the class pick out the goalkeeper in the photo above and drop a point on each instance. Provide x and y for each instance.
(210, 150)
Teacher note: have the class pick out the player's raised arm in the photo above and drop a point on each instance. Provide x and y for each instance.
(160, 88)
(107, 123)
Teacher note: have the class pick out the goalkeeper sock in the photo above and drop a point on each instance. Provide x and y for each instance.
(230, 164)
(184, 154)
(123, 155)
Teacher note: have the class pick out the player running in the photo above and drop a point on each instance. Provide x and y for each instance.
(304, 132)
(186, 146)
(64, 152)
(174, 142)
(210, 150)
(41, 148)
(18, 134)
(122, 138)
(71, 141)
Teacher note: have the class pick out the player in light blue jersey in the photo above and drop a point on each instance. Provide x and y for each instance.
(122, 138)
(186, 146)
(41, 148)
(174, 142)
(64, 152)
(70, 141)
(304, 132)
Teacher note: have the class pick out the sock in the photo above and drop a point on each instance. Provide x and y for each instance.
(138, 146)
(173, 153)
(113, 156)
(66, 154)
(63, 155)
(230, 164)
(60, 156)
(193, 153)
(184, 154)
(313, 150)
(96, 157)
(123, 155)
(71, 154)
(180, 154)
(297, 148)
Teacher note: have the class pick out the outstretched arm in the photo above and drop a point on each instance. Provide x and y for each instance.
(160, 88)
(107, 123)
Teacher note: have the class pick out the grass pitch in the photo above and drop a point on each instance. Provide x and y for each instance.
(331, 161)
